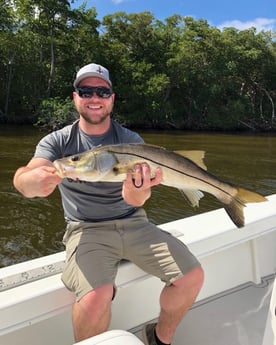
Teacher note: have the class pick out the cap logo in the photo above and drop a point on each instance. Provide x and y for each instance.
(99, 70)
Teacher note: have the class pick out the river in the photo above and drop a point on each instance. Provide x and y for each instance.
(32, 228)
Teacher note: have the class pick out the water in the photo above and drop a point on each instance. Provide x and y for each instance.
(31, 228)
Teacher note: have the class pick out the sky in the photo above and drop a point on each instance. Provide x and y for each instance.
(241, 14)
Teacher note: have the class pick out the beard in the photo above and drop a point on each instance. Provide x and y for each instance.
(97, 120)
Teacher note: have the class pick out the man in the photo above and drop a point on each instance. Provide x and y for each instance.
(105, 221)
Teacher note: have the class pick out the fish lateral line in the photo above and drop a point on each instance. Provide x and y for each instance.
(117, 170)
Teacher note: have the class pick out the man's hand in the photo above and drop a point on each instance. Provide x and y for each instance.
(36, 181)
(137, 186)
(44, 181)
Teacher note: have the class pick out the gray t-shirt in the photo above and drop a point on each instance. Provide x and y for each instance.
(81, 200)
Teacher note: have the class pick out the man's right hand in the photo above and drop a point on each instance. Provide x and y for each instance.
(36, 181)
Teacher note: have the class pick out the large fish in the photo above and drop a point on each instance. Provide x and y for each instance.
(183, 170)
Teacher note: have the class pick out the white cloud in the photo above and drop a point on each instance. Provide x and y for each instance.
(260, 24)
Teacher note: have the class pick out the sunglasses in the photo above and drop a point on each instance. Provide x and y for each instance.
(88, 91)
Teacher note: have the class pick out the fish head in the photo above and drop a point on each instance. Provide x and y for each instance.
(91, 165)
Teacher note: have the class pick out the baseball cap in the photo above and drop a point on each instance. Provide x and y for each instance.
(92, 70)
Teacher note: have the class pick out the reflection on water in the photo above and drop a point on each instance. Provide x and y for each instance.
(31, 228)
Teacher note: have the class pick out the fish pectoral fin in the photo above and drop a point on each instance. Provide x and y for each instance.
(120, 168)
(195, 156)
(192, 196)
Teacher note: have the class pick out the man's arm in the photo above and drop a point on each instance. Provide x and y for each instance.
(136, 191)
(37, 179)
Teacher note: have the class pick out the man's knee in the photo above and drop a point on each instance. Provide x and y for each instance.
(99, 297)
(192, 280)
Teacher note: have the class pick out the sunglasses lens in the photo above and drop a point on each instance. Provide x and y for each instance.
(84, 93)
(88, 91)
(104, 92)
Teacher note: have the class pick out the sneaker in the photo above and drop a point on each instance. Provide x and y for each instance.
(148, 334)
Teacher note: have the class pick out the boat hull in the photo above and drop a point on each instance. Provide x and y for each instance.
(37, 308)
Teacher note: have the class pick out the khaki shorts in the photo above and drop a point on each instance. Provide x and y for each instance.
(94, 251)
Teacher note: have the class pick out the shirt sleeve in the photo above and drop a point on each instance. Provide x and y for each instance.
(49, 147)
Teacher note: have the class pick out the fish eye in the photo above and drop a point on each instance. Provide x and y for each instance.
(75, 158)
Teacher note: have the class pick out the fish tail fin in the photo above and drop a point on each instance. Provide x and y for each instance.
(247, 196)
(236, 206)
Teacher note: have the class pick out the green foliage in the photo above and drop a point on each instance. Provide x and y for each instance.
(55, 113)
(180, 73)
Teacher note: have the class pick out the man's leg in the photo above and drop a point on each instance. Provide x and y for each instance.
(175, 301)
(91, 315)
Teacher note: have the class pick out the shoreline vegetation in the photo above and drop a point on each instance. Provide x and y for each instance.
(176, 74)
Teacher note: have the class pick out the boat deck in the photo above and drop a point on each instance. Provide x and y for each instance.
(234, 317)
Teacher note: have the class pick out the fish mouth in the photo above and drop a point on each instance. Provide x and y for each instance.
(64, 171)
(61, 171)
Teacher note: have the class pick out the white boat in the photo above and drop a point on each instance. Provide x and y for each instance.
(235, 306)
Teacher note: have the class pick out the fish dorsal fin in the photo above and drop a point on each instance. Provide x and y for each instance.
(192, 196)
(195, 156)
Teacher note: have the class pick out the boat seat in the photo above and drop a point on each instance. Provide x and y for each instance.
(114, 337)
